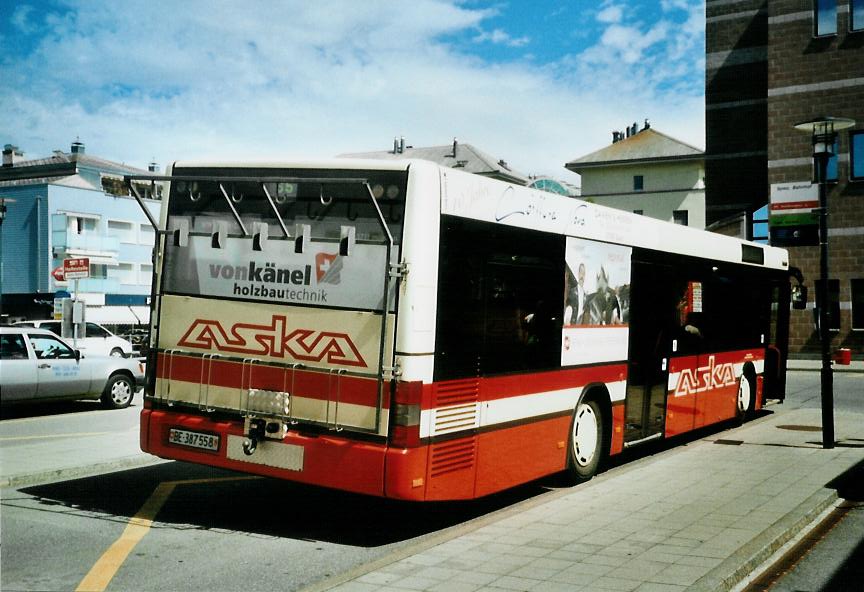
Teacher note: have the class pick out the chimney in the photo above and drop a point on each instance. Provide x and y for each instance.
(647, 124)
(77, 147)
(153, 167)
(395, 145)
(401, 144)
(634, 128)
(455, 144)
(11, 155)
(615, 137)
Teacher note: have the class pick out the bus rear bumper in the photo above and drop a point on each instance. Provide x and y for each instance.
(315, 459)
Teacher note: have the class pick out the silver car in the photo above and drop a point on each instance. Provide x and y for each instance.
(35, 364)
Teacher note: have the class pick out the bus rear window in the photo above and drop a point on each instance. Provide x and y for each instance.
(205, 201)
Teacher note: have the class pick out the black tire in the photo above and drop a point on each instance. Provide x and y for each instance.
(746, 399)
(118, 392)
(586, 441)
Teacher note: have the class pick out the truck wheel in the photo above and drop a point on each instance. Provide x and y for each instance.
(118, 392)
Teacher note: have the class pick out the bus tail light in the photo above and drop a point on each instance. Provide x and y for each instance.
(405, 424)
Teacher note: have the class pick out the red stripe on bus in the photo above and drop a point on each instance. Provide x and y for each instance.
(230, 374)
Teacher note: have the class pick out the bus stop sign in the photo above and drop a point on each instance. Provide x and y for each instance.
(74, 269)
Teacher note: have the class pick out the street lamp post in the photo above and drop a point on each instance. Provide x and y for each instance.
(824, 133)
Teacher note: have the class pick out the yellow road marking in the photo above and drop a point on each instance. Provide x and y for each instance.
(46, 436)
(107, 566)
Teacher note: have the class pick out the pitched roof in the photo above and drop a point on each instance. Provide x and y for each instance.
(647, 145)
(58, 167)
(456, 155)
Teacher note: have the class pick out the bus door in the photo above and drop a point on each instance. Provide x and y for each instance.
(651, 324)
(778, 342)
(687, 354)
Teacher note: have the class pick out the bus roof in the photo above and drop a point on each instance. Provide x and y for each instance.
(481, 198)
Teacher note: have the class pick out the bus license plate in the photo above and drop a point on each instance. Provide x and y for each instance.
(193, 439)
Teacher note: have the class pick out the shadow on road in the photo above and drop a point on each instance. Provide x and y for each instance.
(262, 506)
(18, 411)
(270, 507)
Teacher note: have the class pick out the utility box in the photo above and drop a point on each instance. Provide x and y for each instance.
(73, 318)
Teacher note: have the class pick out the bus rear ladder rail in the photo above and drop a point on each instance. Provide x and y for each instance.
(204, 385)
(165, 390)
(337, 372)
(291, 420)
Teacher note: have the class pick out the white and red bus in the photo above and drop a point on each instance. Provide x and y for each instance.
(406, 330)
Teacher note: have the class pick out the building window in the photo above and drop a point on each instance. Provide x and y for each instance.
(856, 15)
(760, 225)
(146, 274)
(856, 156)
(638, 182)
(125, 231)
(123, 273)
(680, 217)
(825, 17)
(833, 304)
(858, 304)
(147, 235)
(82, 225)
(98, 271)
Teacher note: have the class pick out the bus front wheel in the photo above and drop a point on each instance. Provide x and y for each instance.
(586, 441)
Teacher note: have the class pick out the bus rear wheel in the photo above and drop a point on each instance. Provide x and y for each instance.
(586, 441)
(746, 398)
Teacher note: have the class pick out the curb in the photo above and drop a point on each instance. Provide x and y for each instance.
(43, 477)
(748, 558)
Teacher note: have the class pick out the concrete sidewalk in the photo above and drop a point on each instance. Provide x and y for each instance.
(700, 517)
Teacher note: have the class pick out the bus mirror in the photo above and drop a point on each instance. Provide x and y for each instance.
(302, 232)
(346, 243)
(799, 297)
(260, 233)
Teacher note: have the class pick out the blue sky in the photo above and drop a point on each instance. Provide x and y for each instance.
(536, 83)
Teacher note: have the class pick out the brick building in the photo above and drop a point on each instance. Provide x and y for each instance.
(771, 64)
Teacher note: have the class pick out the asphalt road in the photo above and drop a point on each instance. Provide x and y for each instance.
(219, 530)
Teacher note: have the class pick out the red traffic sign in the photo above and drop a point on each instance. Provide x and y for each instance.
(76, 268)
(57, 274)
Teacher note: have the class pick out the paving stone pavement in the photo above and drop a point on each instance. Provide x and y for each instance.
(698, 517)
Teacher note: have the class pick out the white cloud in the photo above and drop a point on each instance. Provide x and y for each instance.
(611, 14)
(20, 19)
(197, 79)
(500, 37)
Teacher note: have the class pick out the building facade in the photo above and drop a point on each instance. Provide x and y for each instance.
(72, 205)
(770, 65)
(646, 172)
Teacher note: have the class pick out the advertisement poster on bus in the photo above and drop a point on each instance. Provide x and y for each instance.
(319, 276)
(596, 302)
